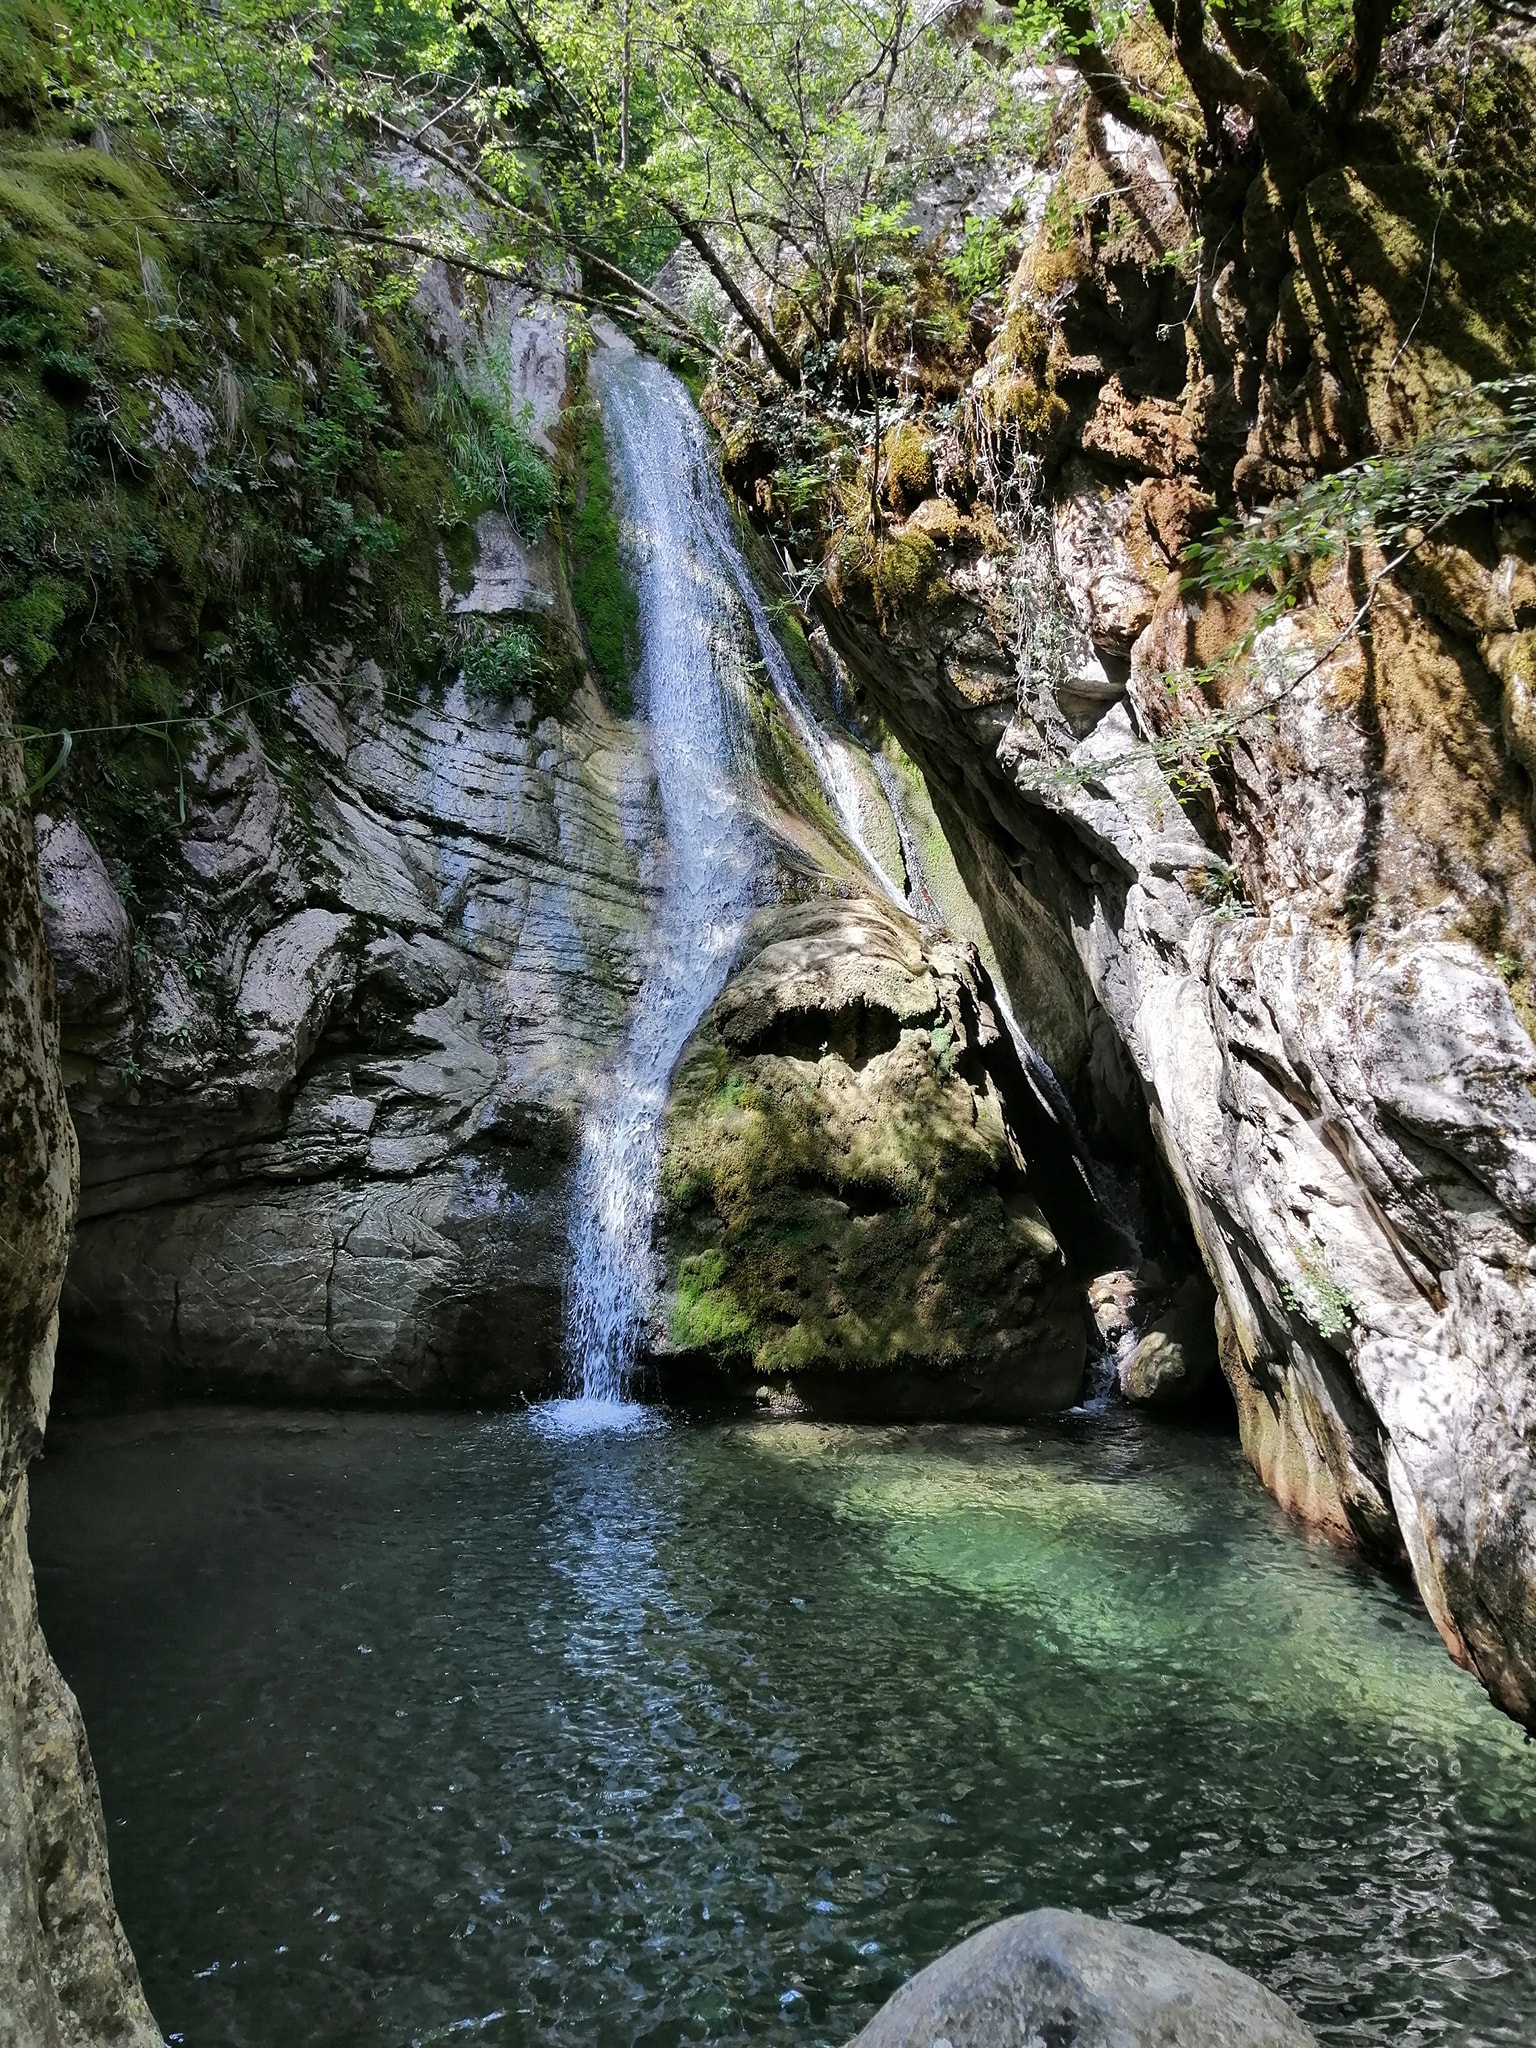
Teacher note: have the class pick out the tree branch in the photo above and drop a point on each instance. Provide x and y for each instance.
(1112, 89)
(1352, 78)
(777, 358)
(674, 328)
(548, 230)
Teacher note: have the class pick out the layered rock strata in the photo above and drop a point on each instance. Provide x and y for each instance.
(328, 1082)
(327, 1125)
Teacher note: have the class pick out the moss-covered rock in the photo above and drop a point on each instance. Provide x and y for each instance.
(848, 1203)
(908, 466)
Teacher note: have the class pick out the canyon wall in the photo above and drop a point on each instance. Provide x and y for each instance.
(327, 1113)
(67, 1977)
(1287, 959)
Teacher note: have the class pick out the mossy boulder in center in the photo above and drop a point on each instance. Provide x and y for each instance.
(850, 1215)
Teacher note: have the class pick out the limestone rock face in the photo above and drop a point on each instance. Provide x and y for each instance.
(1329, 1027)
(1053, 1976)
(88, 931)
(328, 1151)
(856, 1195)
(1115, 582)
(66, 1973)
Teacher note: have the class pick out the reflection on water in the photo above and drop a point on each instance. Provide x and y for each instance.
(418, 1728)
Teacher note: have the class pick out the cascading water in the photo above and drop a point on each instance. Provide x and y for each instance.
(831, 756)
(690, 693)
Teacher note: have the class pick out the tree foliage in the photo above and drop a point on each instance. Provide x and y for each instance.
(570, 146)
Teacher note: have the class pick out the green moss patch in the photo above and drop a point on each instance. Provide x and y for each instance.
(826, 1214)
(206, 473)
(600, 585)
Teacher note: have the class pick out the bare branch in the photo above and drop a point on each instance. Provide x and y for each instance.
(548, 230)
(777, 357)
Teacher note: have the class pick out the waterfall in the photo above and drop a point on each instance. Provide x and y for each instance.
(693, 585)
(831, 755)
(689, 692)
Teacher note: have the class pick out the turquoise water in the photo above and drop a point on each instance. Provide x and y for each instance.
(413, 1729)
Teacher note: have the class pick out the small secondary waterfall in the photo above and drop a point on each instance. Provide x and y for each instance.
(689, 692)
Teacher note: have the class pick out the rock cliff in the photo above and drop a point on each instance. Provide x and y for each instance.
(66, 1973)
(328, 1080)
(1288, 955)
(327, 1153)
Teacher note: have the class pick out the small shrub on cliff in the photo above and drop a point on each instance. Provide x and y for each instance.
(495, 464)
(503, 663)
(980, 266)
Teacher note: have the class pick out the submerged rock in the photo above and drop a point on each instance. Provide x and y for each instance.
(1076, 1982)
(851, 1204)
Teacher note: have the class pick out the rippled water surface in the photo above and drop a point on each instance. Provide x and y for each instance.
(412, 1729)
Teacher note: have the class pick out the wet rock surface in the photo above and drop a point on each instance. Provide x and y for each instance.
(1335, 1069)
(856, 1202)
(1176, 1354)
(1076, 1982)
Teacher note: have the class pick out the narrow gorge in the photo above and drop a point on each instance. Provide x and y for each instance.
(768, 1035)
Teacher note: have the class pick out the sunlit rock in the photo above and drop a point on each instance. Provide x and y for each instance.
(1052, 1976)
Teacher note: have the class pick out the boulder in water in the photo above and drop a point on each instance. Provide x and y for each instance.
(1177, 1353)
(1077, 1982)
(858, 1212)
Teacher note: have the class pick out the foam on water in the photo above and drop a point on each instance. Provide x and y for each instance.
(584, 1416)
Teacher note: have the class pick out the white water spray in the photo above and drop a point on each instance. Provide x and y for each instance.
(690, 694)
